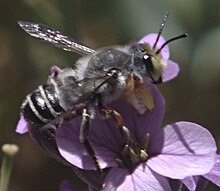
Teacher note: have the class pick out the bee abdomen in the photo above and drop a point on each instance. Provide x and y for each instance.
(42, 106)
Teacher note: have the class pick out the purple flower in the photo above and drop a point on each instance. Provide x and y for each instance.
(172, 69)
(104, 133)
(21, 126)
(175, 151)
(214, 174)
(193, 182)
(63, 143)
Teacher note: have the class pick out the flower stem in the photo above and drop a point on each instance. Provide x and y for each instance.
(9, 151)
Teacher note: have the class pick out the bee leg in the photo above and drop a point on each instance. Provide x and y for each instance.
(109, 112)
(83, 137)
(77, 111)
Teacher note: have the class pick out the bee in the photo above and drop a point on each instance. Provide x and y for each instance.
(100, 77)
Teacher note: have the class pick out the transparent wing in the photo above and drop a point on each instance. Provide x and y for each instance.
(54, 37)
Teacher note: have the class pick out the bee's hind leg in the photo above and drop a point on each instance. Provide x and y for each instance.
(83, 137)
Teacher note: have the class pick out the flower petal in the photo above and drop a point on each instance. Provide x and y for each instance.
(67, 138)
(151, 38)
(150, 122)
(188, 150)
(171, 71)
(214, 174)
(190, 182)
(142, 179)
(21, 126)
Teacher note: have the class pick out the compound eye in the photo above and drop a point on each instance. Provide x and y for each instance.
(148, 62)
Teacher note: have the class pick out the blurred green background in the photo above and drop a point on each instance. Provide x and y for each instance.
(25, 62)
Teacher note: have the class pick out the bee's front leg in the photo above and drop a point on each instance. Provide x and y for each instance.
(132, 152)
(107, 112)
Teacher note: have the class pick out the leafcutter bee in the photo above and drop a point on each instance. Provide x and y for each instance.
(101, 76)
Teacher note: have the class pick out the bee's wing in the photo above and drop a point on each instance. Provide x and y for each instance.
(54, 37)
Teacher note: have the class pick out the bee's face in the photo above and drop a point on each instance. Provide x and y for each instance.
(147, 62)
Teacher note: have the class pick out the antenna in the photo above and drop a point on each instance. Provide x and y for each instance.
(172, 39)
(161, 28)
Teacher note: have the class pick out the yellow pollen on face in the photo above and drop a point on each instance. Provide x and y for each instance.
(140, 98)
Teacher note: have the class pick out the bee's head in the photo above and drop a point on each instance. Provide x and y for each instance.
(153, 62)
(148, 60)
(148, 63)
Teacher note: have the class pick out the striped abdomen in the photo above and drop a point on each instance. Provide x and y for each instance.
(42, 106)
